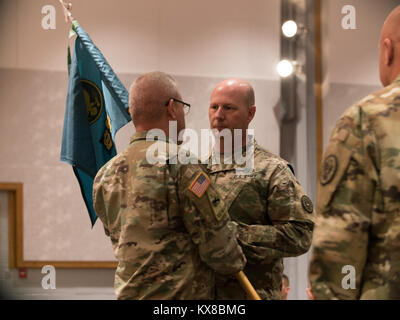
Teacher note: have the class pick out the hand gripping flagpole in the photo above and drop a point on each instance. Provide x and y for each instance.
(240, 276)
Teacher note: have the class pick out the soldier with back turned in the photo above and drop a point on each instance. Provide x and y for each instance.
(356, 243)
(168, 226)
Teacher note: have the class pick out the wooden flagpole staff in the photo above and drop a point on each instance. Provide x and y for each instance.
(247, 286)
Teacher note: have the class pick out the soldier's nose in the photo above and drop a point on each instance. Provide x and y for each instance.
(219, 113)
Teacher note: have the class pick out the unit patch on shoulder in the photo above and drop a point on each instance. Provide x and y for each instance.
(307, 204)
(200, 184)
(329, 168)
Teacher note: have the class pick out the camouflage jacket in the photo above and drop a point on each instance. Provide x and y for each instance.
(358, 206)
(275, 220)
(168, 226)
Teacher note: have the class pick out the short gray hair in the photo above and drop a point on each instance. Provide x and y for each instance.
(149, 94)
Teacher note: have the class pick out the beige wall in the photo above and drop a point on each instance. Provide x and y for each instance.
(351, 69)
(352, 55)
(182, 37)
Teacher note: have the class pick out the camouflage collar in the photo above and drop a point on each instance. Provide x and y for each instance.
(397, 80)
(141, 135)
(231, 164)
(243, 151)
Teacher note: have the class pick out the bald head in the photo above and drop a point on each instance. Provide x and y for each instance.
(243, 88)
(391, 27)
(389, 48)
(232, 107)
(148, 96)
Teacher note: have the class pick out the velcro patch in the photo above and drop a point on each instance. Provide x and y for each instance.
(329, 168)
(307, 204)
(217, 205)
(200, 184)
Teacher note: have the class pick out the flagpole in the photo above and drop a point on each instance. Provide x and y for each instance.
(247, 286)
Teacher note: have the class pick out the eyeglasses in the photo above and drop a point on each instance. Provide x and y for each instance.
(186, 106)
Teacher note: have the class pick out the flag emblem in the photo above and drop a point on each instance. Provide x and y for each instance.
(200, 184)
(93, 100)
(107, 141)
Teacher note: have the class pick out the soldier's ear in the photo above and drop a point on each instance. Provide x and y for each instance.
(388, 51)
(171, 112)
(252, 112)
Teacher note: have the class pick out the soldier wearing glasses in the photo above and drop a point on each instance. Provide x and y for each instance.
(168, 232)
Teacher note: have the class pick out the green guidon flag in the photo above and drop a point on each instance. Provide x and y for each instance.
(96, 109)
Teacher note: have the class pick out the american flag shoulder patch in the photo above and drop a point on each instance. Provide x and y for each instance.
(200, 184)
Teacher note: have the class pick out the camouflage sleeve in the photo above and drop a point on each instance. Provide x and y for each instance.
(345, 200)
(98, 199)
(290, 213)
(207, 220)
(101, 196)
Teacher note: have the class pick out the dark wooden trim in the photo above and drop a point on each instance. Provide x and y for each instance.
(14, 196)
(318, 83)
(12, 257)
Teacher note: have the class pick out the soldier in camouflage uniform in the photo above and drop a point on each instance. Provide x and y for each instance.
(274, 214)
(358, 202)
(169, 228)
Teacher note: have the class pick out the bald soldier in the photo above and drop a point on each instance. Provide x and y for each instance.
(168, 226)
(274, 214)
(356, 243)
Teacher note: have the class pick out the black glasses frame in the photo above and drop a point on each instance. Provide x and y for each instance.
(185, 104)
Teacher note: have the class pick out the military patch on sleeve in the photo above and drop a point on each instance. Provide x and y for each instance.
(200, 184)
(307, 204)
(329, 168)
